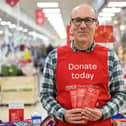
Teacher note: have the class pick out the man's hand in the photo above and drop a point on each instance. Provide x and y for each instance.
(92, 114)
(74, 116)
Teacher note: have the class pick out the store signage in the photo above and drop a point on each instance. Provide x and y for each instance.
(39, 17)
(69, 34)
(12, 3)
(104, 33)
(16, 112)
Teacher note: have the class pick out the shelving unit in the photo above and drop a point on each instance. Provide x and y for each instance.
(19, 89)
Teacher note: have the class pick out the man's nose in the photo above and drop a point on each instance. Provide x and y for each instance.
(82, 24)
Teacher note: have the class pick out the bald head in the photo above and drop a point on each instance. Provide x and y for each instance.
(83, 26)
(84, 9)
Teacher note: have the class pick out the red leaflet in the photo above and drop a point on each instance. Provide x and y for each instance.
(73, 96)
(81, 93)
(90, 98)
(84, 97)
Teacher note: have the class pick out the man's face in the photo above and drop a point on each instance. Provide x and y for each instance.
(83, 24)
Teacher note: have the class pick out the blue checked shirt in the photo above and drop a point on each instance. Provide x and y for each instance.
(115, 86)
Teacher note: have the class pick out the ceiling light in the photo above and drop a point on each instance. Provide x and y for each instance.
(20, 28)
(102, 20)
(57, 23)
(12, 26)
(8, 23)
(3, 23)
(105, 18)
(113, 9)
(46, 11)
(106, 14)
(52, 15)
(47, 4)
(25, 30)
(117, 4)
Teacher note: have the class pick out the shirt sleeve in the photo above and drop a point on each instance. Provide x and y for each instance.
(116, 86)
(48, 87)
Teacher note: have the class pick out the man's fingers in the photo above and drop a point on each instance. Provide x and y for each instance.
(76, 118)
(73, 116)
(89, 115)
(92, 114)
(76, 115)
(73, 111)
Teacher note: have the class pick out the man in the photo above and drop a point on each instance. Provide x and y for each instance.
(83, 64)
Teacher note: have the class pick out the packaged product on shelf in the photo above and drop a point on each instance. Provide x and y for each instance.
(36, 119)
(48, 121)
(119, 122)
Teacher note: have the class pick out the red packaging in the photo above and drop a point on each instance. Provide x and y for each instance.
(119, 122)
(16, 115)
(73, 96)
(16, 112)
(81, 92)
(91, 97)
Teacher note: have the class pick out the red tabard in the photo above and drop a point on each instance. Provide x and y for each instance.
(82, 69)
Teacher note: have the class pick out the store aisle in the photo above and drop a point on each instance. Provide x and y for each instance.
(28, 111)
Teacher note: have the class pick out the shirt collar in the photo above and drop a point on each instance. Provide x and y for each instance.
(87, 50)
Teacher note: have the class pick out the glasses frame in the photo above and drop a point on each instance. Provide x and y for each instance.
(92, 20)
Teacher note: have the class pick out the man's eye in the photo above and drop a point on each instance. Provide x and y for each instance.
(78, 20)
(87, 20)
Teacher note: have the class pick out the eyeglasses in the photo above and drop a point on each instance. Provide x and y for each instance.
(88, 21)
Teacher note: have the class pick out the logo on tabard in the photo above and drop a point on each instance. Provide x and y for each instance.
(12, 3)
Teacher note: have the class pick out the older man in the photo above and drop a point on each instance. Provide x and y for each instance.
(82, 65)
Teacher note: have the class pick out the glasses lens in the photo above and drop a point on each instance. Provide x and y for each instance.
(88, 21)
(77, 21)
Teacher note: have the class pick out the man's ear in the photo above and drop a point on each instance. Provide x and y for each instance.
(97, 24)
(71, 29)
